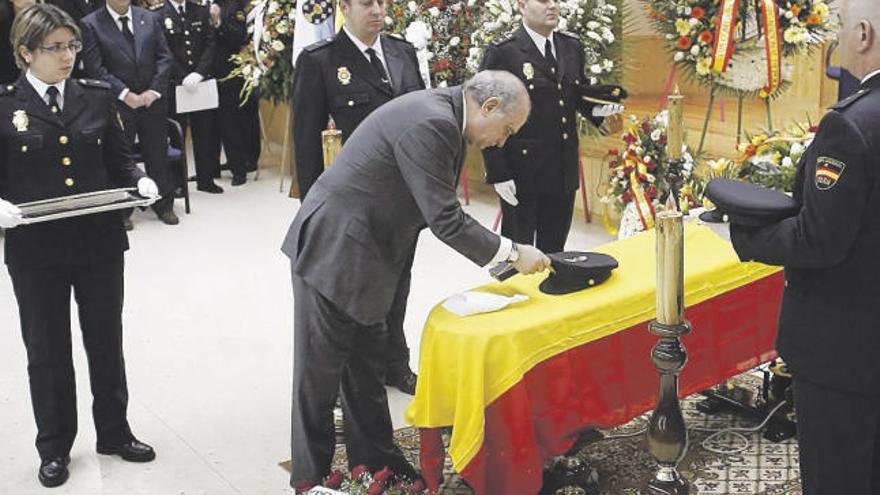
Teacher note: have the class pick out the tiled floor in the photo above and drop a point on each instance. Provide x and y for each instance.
(208, 347)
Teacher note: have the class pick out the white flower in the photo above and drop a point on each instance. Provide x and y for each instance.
(504, 18)
(786, 162)
(650, 178)
(678, 57)
(257, 73)
(434, 11)
(693, 22)
(593, 80)
(592, 25)
(454, 41)
(281, 27)
(596, 69)
(608, 35)
(442, 84)
(278, 45)
(246, 70)
(796, 149)
(411, 6)
(388, 20)
(695, 50)
(563, 24)
(594, 35)
(608, 65)
(273, 7)
(655, 135)
(789, 14)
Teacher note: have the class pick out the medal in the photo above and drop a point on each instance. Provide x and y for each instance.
(528, 70)
(344, 75)
(20, 120)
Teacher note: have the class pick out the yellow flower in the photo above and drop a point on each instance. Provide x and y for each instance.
(821, 9)
(682, 26)
(703, 65)
(720, 164)
(777, 157)
(742, 147)
(760, 138)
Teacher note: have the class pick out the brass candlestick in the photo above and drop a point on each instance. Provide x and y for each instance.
(674, 144)
(667, 435)
(331, 143)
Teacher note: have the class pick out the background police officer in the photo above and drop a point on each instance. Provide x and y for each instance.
(536, 173)
(187, 27)
(346, 78)
(59, 137)
(828, 326)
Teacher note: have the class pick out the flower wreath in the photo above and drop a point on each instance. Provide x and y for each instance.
(265, 63)
(736, 46)
(439, 29)
(637, 171)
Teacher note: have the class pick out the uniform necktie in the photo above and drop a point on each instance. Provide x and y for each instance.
(180, 10)
(52, 94)
(126, 31)
(548, 54)
(377, 64)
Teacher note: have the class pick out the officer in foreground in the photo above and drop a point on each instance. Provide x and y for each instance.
(59, 137)
(828, 328)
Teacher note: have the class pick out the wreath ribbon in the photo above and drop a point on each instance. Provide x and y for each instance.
(256, 16)
(724, 35)
(643, 203)
(723, 48)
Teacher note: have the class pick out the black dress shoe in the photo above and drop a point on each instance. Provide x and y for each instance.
(210, 188)
(131, 451)
(238, 180)
(126, 222)
(404, 380)
(53, 472)
(168, 217)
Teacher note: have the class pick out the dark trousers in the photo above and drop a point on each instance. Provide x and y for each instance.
(541, 221)
(332, 352)
(237, 128)
(839, 440)
(151, 127)
(205, 140)
(398, 351)
(43, 295)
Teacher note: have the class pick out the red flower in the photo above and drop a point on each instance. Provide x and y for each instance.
(613, 152)
(629, 138)
(383, 475)
(376, 488)
(646, 127)
(683, 43)
(626, 196)
(304, 486)
(662, 140)
(442, 64)
(612, 164)
(651, 165)
(627, 170)
(814, 128)
(435, 3)
(334, 481)
(359, 471)
(652, 191)
(706, 37)
(417, 487)
(698, 13)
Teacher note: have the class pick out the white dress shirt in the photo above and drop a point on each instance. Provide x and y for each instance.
(116, 17)
(42, 87)
(377, 47)
(870, 75)
(540, 41)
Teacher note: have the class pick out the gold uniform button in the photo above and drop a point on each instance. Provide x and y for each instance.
(531, 86)
(553, 70)
(99, 140)
(525, 152)
(350, 103)
(564, 136)
(186, 33)
(564, 120)
(62, 139)
(65, 161)
(189, 52)
(24, 148)
(68, 182)
(187, 42)
(561, 103)
(559, 87)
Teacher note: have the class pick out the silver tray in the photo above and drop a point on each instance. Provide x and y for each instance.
(81, 204)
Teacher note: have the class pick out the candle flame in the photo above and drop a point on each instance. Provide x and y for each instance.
(676, 91)
(670, 204)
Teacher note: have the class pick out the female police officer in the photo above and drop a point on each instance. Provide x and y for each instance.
(60, 136)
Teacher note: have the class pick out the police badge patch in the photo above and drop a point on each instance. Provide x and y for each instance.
(828, 172)
(317, 11)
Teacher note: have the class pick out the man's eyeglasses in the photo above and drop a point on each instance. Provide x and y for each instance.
(59, 48)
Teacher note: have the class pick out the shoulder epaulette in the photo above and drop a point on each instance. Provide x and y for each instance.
(849, 100)
(7, 89)
(318, 45)
(397, 37)
(502, 41)
(94, 83)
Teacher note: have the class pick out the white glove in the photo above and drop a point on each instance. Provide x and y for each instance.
(147, 188)
(215, 15)
(507, 191)
(192, 79)
(10, 215)
(722, 229)
(607, 110)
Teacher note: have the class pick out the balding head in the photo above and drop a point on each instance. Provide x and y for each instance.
(858, 36)
(498, 105)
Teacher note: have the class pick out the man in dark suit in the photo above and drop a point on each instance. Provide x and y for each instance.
(190, 38)
(124, 46)
(238, 125)
(347, 78)
(62, 137)
(352, 241)
(536, 174)
(828, 326)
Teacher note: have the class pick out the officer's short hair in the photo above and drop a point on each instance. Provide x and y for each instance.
(500, 84)
(33, 24)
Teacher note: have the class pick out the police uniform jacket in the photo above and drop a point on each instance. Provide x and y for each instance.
(191, 39)
(45, 155)
(334, 78)
(543, 156)
(829, 327)
(230, 36)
